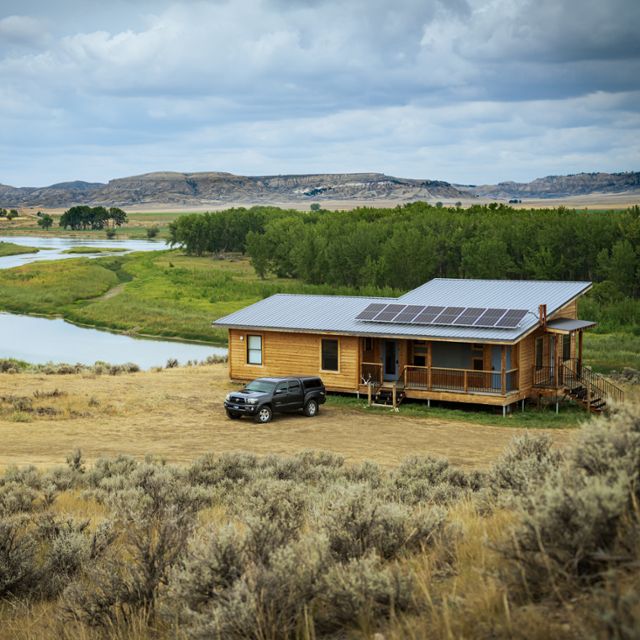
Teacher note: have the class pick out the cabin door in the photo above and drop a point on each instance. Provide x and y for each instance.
(390, 360)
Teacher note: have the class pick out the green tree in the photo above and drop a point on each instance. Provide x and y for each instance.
(45, 221)
(13, 213)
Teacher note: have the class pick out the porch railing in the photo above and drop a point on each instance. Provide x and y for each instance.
(447, 379)
(571, 374)
(371, 372)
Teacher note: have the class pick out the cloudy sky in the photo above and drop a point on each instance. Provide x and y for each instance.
(469, 91)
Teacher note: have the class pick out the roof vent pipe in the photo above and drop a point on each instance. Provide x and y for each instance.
(542, 310)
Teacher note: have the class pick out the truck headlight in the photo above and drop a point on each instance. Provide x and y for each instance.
(252, 401)
(228, 398)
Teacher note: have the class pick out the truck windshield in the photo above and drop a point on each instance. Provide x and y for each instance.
(261, 385)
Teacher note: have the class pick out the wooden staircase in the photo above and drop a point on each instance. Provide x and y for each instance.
(592, 390)
(384, 396)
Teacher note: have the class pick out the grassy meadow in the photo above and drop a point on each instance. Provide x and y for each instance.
(12, 249)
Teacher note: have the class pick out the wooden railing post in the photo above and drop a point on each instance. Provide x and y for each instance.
(588, 395)
(503, 370)
(466, 381)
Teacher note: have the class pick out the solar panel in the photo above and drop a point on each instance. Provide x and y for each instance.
(489, 318)
(371, 311)
(448, 315)
(409, 313)
(511, 319)
(428, 315)
(469, 316)
(389, 313)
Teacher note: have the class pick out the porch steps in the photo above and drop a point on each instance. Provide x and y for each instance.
(579, 393)
(384, 397)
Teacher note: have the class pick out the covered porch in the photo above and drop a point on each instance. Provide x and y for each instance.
(441, 370)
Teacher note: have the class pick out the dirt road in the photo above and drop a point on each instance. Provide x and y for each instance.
(177, 414)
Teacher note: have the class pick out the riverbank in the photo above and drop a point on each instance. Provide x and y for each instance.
(163, 294)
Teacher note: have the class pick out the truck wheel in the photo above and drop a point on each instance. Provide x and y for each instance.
(232, 415)
(264, 414)
(311, 408)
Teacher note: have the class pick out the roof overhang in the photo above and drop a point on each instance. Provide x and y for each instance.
(358, 334)
(568, 325)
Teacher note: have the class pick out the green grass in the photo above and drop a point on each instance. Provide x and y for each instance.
(163, 293)
(95, 250)
(12, 249)
(570, 415)
(612, 351)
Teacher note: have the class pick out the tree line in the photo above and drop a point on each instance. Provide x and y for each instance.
(85, 217)
(403, 247)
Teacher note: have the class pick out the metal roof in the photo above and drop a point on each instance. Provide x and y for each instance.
(336, 314)
(566, 325)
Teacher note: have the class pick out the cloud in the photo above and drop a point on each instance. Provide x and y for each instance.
(22, 30)
(427, 88)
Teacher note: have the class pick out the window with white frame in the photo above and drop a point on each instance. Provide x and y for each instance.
(254, 349)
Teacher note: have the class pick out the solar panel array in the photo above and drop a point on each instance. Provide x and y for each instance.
(485, 318)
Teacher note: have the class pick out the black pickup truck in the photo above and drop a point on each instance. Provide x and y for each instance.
(265, 396)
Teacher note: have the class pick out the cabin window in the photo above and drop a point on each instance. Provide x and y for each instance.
(254, 349)
(566, 347)
(329, 354)
(539, 352)
(419, 354)
(368, 344)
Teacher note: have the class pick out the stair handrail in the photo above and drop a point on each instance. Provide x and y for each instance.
(585, 374)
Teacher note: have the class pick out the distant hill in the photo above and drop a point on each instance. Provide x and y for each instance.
(216, 188)
(561, 186)
(220, 188)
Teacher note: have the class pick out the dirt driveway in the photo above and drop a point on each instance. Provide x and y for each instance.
(177, 414)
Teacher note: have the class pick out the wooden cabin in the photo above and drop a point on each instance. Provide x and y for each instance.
(493, 342)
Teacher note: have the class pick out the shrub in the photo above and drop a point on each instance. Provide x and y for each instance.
(153, 231)
(583, 521)
(18, 571)
(362, 591)
(358, 523)
(525, 465)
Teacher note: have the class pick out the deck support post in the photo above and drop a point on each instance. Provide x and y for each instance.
(504, 410)
(579, 372)
(557, 406)
(522, 403)
(429, 403)
(394, 397)
(503, 371)
(369, 393)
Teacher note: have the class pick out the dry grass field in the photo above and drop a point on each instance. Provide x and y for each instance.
(177, 414)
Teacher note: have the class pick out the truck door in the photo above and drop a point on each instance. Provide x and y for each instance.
(296, 397)
(281, 397)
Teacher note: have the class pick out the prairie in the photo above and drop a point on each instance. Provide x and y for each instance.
(543, 543)
(177, 414)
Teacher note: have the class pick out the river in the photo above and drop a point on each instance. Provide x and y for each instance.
(42, 340)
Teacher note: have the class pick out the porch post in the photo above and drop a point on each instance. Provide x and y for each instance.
(556, 361)
(579, 372)
(503, 370)
(429, 360)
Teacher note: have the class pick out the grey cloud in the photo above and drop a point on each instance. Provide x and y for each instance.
(272, 86)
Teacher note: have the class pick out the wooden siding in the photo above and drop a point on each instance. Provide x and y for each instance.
(285, 354)
(568, 311)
